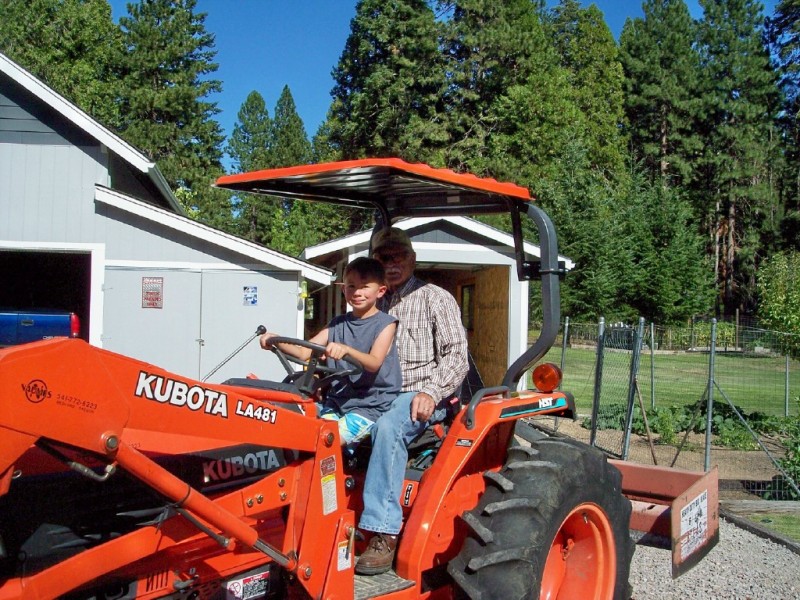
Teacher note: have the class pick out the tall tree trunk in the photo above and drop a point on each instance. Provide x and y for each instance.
(731, 253)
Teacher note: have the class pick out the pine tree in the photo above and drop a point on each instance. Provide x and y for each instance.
(661, 68)
(71, 45)
(388, 82)
(165, 108)
(250, 148)
(737, 109)
(250, 144)
(666, 252)
(491, 49)
(590, 232)
(784, 33)
(589, 53)
(290, 145)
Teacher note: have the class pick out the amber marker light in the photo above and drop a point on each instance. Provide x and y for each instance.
(546, 377)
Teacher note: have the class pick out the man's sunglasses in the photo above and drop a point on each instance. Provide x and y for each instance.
(388, 257)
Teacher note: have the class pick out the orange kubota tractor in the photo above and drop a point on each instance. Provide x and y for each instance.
(121, 480)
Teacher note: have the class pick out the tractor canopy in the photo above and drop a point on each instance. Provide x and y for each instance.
(397, 189)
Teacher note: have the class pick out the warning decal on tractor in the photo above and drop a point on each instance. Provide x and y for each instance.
(694, 524)
(344, 556)
(327, 467)
(255, 585)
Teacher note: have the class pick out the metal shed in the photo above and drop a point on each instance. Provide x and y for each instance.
(473, 261)
(88, 224)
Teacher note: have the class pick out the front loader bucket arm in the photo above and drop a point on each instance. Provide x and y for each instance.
(73, 393)
(68, 394)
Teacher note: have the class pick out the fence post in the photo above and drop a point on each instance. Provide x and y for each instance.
(564, 337)
(652, 366)
(635, 356)
(786, 389)
(598, 377)
(710, 393)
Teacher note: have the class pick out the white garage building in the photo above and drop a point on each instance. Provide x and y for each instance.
(88, 224)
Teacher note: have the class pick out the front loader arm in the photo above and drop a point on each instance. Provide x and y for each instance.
(73, 393)
(69, 395)
(76, 394)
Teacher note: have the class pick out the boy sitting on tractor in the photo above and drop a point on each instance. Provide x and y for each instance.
(367, 335)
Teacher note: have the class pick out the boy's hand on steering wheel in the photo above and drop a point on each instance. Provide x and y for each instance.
(264, 340)
(336, 351)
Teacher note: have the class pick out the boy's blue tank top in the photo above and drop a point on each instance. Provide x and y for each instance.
(366, 394)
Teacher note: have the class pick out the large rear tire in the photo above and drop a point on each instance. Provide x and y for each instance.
(553, 523)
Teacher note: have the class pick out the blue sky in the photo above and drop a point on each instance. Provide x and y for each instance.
(264, 45)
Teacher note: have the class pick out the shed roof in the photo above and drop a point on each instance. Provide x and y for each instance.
(491, 234)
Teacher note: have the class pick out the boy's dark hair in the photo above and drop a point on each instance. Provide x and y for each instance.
(367, 268)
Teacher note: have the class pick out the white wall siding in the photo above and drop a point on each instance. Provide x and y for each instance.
(44, 191)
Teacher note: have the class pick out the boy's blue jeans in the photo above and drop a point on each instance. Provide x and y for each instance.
(392, 433)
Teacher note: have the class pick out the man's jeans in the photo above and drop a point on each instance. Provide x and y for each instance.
(392, 433)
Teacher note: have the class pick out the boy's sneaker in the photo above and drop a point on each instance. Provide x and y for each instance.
(378, 556)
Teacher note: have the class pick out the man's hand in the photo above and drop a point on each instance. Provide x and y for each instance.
(422, 406)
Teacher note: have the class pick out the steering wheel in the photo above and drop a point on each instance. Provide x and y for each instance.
(305, 380)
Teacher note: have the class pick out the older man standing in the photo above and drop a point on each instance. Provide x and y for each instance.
(433, 357)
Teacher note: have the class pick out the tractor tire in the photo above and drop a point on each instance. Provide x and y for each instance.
(553, 523)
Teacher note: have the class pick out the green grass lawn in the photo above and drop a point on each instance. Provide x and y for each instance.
(786, 525)
(752, 384)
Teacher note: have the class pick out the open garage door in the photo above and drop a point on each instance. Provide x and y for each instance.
(52, 280)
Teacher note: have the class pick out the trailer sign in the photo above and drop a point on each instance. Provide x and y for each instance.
(694, 524)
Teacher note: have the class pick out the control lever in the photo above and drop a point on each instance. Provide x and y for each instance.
(260, 330)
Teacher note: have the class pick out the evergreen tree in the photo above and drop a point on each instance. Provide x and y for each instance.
(71, 45)
(164, 100)
(737, 107)
(303, 223)
(666, 253)
(588, 51)
(784, 32)
(388, 82)
(290, 144)
(661, 68)
(250, 148)
(250, 144)
(590, 232)
(491, 49)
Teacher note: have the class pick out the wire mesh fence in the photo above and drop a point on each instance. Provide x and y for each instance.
(644, 393)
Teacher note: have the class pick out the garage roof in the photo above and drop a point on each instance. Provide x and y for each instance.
(82, 120)
(214, 236)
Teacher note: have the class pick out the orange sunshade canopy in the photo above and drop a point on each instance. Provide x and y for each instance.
(396, 187)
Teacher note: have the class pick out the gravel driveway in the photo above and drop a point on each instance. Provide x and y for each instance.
(742, 566)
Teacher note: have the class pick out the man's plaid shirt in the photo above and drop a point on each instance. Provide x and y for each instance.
(430, 338)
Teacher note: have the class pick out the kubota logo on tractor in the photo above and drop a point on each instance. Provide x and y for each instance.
(178, 393)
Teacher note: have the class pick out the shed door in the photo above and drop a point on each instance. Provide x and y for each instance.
(153, 315)
(235, 303)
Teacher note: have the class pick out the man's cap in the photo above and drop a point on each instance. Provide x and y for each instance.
(391, 237)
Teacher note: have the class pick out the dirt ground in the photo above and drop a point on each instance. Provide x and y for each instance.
(741, 473)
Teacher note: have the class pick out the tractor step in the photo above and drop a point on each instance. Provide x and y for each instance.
(371, 586)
